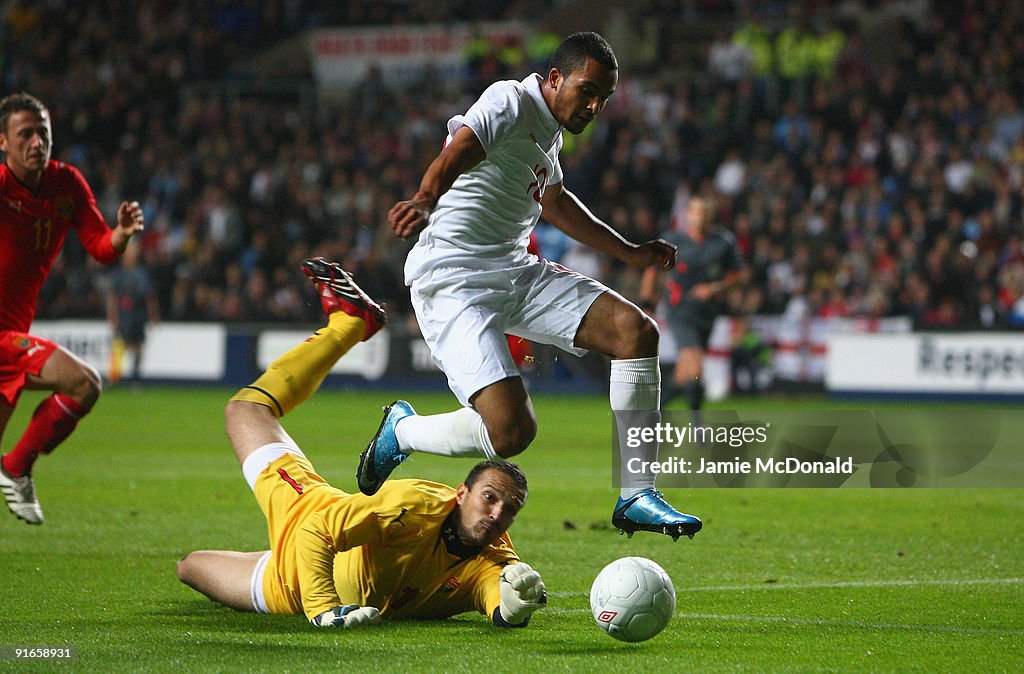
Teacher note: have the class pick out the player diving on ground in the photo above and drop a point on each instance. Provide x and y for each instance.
(414, 549)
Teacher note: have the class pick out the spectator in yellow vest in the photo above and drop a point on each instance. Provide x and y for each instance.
(758, 40)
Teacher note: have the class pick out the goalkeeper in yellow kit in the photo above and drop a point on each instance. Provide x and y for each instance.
(415, 549)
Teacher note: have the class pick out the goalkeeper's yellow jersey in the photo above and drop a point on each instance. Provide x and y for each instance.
(393, 550)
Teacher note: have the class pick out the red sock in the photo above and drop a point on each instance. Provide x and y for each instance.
(51, 423)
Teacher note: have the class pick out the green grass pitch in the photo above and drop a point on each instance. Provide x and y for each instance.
(779, 580)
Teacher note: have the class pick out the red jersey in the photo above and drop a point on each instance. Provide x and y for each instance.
(32, 231)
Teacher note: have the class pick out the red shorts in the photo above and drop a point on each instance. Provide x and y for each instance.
(21, 354)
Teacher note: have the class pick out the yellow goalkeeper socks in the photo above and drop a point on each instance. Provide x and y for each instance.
(297, 374)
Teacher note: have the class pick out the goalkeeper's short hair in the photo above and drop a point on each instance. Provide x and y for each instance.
(514, 472)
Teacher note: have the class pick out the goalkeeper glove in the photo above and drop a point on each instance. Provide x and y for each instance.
(522, 593)
(348, 616)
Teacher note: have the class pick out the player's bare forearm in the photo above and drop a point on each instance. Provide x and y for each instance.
(565, 211)
(408, 218)
(715, 289)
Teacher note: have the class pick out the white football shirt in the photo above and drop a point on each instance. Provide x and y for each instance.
(484, 221)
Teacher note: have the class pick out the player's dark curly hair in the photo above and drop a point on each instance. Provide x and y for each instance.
(16, 103)
(574, 51)
(514, 472)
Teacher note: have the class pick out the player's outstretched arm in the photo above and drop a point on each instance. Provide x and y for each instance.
(349, 616)
(703, 292)
(408, 218)
(522, 593)
(348, 523)
(565, 211)
(315, 549)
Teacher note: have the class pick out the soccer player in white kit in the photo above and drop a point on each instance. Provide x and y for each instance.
(472, 280)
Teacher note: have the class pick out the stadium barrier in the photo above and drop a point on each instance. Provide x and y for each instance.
(838, 355)
(978, 364)
(796, 350)
(235, 354)
(175, 351)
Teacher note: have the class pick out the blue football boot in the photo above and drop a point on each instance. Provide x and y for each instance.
(648, 511)
(383, 455)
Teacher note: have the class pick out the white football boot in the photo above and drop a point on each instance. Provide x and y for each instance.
(21, 497)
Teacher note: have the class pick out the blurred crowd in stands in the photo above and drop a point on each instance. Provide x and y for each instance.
(869, 156)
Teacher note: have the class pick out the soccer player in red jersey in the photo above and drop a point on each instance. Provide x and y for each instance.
(40, 200)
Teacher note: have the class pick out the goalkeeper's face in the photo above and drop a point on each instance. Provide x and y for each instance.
(487, 510)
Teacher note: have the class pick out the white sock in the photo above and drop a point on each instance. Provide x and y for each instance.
(459, 433)
(636, 387)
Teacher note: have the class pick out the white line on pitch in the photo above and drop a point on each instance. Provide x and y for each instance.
(857, 624)
(817, 586)
(857, 583)
(863, 624)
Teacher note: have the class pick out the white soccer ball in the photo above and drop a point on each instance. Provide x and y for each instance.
(632, 599)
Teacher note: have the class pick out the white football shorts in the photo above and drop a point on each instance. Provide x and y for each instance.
(464, 315)
(259, 600)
